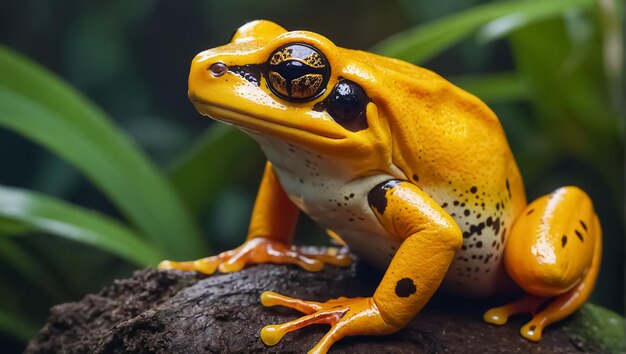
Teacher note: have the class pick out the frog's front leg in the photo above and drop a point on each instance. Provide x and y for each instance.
(553, 253)
(430, 239)
(269, 237)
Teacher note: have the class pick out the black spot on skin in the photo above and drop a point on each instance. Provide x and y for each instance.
(580, 236)
(583, 225)
(416, 178)
(377, 197)
(351, 195)
(530, 211)
(496, 226)
(503, 237)
(473, 189)
(444, 205)
(456, 203)
(479, 244)
(405, 287)
(476, 229)
(466, 212)
(489, 221)
(563, 240)
(497, 206)
(508, 188)
(250, 72)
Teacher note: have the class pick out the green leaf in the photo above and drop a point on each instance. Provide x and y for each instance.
(598, 328)
(46, 214)
(26, 265)
(16, 326)
(12, 228)
(570, 93)
(211, 162)
(425, 41)
(41, 107)
(493, 87)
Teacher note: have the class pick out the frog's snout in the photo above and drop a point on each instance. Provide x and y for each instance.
(204, 70)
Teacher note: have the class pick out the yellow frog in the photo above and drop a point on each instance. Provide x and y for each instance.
(412, 173)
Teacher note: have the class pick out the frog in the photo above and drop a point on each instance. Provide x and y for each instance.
(413, 174)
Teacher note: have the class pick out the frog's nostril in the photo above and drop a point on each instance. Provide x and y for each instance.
(218, 69)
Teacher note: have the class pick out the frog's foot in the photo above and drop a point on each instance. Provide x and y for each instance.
(346, 316)
(500, 315)
(529, 303)
(260, 250)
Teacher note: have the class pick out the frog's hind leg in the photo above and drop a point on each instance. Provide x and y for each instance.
(553, 253)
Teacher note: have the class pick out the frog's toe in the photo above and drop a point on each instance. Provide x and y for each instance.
(532, 331)
(206, 266)
(496, 316)
(271, 299)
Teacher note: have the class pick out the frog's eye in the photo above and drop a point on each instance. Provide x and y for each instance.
(297, 72)
(346, 102)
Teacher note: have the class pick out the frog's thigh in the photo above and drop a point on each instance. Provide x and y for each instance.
(430, 238)
(552, 243)
(554, 250)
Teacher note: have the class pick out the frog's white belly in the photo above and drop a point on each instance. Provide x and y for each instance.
(324, 188)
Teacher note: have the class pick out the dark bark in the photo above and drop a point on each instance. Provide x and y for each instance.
(176, 312)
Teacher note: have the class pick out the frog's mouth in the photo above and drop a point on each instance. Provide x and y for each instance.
(262, 124)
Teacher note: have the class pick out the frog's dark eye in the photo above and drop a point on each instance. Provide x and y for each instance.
(346, 102)
(297, 72)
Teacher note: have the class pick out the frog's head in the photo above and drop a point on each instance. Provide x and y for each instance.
(296, 86)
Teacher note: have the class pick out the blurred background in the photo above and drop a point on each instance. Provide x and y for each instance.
(105, 167)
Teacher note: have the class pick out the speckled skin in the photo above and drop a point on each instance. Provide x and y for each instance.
(420, 181)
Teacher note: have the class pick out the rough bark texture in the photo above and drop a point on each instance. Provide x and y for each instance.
(176, 312)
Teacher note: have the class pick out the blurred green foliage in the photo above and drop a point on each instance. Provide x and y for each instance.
(86, 196)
